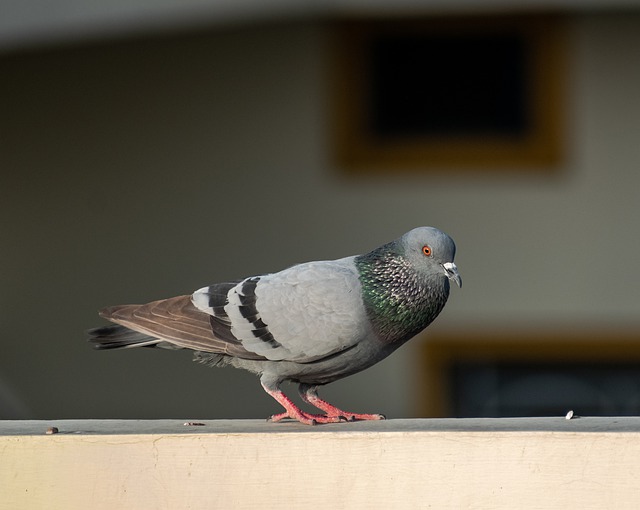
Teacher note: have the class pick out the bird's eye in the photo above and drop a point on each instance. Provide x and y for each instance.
(426, 251)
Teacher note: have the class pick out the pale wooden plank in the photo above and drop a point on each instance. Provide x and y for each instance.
(586, 463)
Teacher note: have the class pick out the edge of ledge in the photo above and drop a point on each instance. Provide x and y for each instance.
(613, 424)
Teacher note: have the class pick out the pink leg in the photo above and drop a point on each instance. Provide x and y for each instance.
(310, 395)
(295, 413)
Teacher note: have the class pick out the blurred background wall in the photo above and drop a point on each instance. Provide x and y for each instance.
(141, 164)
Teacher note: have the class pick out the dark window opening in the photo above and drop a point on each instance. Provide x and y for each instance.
(449, 85)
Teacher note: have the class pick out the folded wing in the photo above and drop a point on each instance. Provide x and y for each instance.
(302, 314)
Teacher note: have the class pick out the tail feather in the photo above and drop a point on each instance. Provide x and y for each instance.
(121, 337)
(173, 323)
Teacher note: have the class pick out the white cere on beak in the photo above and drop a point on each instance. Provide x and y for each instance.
(451, 270)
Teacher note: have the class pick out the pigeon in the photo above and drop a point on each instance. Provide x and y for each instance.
(310, 324)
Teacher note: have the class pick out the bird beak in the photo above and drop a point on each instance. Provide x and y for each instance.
(451, 270)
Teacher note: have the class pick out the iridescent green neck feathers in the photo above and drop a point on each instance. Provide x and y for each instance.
(399, 301)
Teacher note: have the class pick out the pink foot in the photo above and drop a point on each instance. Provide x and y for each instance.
(307, 418)
(293, 412)
(309, 394)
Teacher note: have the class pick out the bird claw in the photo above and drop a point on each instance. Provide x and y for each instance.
(364, 417)
(307, 419)
(317, 419)
(331, 414)
(277, 417)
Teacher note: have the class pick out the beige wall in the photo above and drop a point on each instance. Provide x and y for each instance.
(142, 169)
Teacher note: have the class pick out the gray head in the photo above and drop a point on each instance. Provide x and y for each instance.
(430, 252)
(405, 283)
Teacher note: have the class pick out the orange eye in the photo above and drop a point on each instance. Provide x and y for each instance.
(426, 251)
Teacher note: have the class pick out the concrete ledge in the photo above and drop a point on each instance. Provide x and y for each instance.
(478, 463)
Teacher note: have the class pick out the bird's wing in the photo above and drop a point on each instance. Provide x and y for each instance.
(175, 321)
(304, 313)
